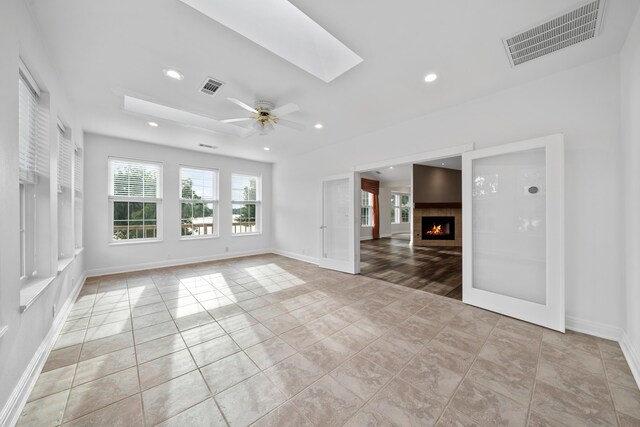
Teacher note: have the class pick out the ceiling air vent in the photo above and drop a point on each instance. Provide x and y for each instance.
(568, 29)
(211, 86)
(212, 147)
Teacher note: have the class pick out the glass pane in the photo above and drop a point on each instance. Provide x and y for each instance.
(244, 218)
(336, 219)
(120, 211)
(244, 187)
(120, 230)
(509, 225)
(405, 214)
(136, 210)
(405, 199)
(187, 210)
(150, 230)
(149, 211)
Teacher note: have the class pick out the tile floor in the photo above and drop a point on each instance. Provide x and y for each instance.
(276, 342)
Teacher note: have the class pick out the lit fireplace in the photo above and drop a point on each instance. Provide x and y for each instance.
(438, 228)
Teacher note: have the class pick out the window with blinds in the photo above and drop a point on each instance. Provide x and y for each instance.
(198, 202)
(77, 170)
(135, 198)
(64, 158)
(32, 134)
(245, 203)
(366, 209)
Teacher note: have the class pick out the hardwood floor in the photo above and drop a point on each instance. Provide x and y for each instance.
(433, 269)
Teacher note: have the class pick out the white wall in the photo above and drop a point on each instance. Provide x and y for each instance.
(630, 89)
(103, 257)
(27, 330)
(583, 103)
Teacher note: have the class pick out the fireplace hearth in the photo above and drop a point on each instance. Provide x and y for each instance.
(438, 228)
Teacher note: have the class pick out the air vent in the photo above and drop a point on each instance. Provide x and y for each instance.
(566, 30)
(211, 86)
(212, 147)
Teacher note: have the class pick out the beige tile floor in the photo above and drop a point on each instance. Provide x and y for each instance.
(277, 342)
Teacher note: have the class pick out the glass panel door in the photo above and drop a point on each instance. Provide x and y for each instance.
(338, 224)
(513, 230)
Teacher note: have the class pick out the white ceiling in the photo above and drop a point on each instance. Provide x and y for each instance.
(104, 50)
(402, 173)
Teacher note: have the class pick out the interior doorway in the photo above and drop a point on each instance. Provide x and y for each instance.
(411, 225)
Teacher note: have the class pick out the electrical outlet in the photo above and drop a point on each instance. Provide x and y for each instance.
(54, 310)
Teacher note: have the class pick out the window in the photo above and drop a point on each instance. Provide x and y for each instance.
(245, 204)
(198, 202)
(399, 208)
(366, 210)
(135, 196)
(78, 188)
(405, 208)
(65, 196)
(395, 208)
(33, 164)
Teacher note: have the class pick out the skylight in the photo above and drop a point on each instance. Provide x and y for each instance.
(283, 29)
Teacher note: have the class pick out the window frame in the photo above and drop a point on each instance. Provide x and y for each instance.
(366, 207)
(35, 181)
(257, 203)
(215, 201)
(396, 200)
(406, 206)
(135, 199)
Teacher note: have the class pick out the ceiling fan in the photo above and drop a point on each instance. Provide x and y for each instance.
(266, 116)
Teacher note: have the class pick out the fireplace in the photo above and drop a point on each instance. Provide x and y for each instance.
(438, 228)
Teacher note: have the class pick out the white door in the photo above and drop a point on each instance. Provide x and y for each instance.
(337, 232)
(513, 230)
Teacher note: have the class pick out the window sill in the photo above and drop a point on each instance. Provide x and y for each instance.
(3, 330)
(134, 242)
(78, 251)
(63, 263)
(207, 237)
(246, 234)
(366, 226)
(32, 290)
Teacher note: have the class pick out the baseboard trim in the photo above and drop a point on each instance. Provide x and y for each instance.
(293, 255)
(18, 398)
(362, 238)
(173, 262)
(593, 328)
(632, 354)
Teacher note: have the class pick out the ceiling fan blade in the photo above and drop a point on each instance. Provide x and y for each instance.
(244, 119)
(185, 118)
(285, 109)
(291, 125)
(243, 105)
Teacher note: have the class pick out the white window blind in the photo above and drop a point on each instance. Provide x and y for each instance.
(77, 169)
(134, 179)
(64, 158)
(32, 134)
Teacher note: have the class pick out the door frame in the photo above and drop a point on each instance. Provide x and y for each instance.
(424, 156)
(552, 314)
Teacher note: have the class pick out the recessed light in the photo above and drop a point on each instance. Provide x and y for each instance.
(442, 163)
(390, 167)
(152, 124)
(431, 77)
(318, 126)
(267, 148)
(173, 74)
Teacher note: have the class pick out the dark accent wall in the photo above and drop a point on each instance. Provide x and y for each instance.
(436, 185)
